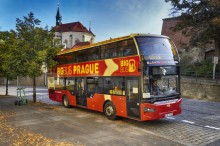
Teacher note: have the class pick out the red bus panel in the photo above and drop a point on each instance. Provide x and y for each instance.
(125, 66)
(160, 110)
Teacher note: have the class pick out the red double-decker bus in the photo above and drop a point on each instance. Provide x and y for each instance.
(135, 76)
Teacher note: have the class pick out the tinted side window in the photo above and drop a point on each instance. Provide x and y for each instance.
(81, 56)
(109, 50)
(93, 53)
(64, 59)
(114, 85)
(127, 48)
(100, 88)
(70, 83)
(60, 83)
(92, 86)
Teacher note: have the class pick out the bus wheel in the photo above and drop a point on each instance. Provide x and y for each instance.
(110, 111)
(65, 101)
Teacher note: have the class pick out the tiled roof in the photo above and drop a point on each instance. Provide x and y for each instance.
(75, 26)
(80, 44)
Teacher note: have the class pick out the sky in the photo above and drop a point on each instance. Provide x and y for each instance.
(108, 18)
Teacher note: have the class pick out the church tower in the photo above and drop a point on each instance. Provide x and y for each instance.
(72, 34)
(58, 16)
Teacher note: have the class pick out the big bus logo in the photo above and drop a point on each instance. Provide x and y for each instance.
(127, 65)
(132, 66)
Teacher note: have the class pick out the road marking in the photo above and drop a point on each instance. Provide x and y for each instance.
(171, 118)
(186, 121)
(207, 126)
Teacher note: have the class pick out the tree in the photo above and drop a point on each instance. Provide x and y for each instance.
(9, 56)
(200, 19)
(38, 47)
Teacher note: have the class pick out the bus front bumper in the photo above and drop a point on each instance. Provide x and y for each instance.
(161, 109)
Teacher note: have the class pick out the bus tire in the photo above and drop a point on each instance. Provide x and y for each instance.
(65, 101)
(110, 111)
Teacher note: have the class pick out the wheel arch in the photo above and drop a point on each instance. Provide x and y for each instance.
(106, 101)
(112, 115)
(64, 96)
(68, 103)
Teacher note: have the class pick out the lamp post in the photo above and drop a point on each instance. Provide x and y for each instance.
(214, 61)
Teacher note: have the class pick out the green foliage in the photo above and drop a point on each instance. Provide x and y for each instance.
(200, 19)
(202, 68)
(206, 67)
(24, 51)
(36, 43)
(186, 65)
(9, 65)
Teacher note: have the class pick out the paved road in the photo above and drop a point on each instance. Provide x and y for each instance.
(199, 124)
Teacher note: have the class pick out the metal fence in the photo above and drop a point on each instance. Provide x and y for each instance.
(201, 77)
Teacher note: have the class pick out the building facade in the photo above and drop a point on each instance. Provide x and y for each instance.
(182, 42)
(73, 33)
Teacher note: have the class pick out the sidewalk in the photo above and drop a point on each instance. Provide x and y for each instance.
(42, 93)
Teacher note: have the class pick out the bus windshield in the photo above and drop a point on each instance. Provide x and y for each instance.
(161, 81)
(156, 48)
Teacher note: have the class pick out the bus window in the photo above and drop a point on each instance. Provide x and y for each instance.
(82, 56)
(157, 48)
(114, 85)
(109, 51)
(91, 86)
(121, 48)
(100, 88)
(60, 83)
(64, 59)
(126, 48)
(93, 53)
(70, 83)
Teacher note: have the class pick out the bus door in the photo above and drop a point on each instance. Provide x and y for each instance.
(81, 92)
(132, 92)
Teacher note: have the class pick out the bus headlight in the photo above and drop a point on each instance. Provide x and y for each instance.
(151, 110)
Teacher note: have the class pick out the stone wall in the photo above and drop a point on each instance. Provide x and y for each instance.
(207, 91)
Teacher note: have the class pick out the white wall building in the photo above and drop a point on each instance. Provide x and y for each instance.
(72, 33)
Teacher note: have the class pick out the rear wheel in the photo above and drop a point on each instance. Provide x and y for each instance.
(65, 101)
(110, 111)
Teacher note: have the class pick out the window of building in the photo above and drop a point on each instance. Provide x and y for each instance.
(77, 41)
(65, 43)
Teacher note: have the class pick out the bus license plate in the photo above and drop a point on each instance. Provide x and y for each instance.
(168, 115)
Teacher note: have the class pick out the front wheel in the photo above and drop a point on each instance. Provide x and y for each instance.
(66, 101)
(110, 111)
